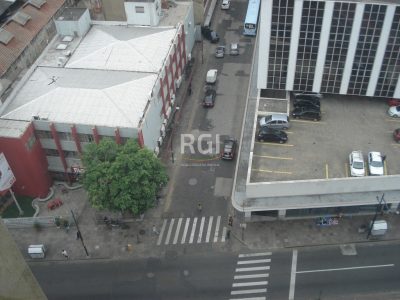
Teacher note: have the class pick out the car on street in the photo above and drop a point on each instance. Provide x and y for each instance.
(229, 149)
(309, 97)
(396, 135)
(210, 34)
(394, 111)
(356, 163)
(211, 77)
(307, 113)
(226, 4)
(375, 164)
(275, 121)
(220, 51)
(306, 103)
(272, 135)
(393, 102)
(234, 49)
(209, 98)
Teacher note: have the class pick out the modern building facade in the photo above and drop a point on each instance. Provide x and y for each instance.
(335, 47)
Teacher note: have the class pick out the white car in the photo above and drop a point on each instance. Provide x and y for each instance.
(375, 164)
(356, 162)
(394, 111)
(211, 76)
(226, 4)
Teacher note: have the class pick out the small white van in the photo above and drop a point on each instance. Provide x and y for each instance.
(226, 4)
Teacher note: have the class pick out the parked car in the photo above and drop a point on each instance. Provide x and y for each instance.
(272, 135)
(210, 34)
(234, 49)
(229, 150)
(375, 164)
(307, 103)
(220, 51)
(307, 113)
(396, 135)
(226, 4)
(209, 98)
(356, 162)
(275, 121)
(394, 111)
(306, 93)
(394, 102)
(211, 76)
(309, 97)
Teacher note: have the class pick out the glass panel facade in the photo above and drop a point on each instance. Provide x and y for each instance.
(368, 40)
(338, 45)
(390, 69)
(282, 18)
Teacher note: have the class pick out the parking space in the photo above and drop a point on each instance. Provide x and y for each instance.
(320, 150)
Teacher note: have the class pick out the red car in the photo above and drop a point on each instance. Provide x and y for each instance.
(396, 135)
(394, 102)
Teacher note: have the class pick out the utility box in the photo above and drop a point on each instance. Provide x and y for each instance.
(379, 227)
(37, 251)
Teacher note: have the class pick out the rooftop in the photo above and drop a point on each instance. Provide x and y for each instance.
(12, 128)
(71, 13)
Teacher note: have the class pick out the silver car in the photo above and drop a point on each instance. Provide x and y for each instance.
(220, 51)
(234, 49)
(275, 121)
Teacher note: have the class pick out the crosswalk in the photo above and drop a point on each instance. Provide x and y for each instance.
(251, 274)
(192, 231)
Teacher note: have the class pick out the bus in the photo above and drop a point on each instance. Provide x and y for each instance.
(250, 23)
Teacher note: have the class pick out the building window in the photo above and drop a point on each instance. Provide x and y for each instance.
(51, 152)
(71, 154)
(41, 134)
(139, 9)
(86, 138)
(31, 141)
(64, 136)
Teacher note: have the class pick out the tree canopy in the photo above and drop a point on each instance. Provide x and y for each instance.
(122, 177)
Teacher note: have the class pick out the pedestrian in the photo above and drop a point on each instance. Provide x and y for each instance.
(78, 235)
(228, 234)
(383, 158)
(199, 207)
(155, 231)
(230, 221)
(64, 253)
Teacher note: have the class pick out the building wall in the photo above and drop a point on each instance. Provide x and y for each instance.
(330, 47)
(74, 27)
(143, 13)
(28, 163)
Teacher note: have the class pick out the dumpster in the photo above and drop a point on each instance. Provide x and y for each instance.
(37, 251)
(379, 227)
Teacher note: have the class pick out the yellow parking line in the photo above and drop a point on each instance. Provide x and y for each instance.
(346, 170)
(269, 171)
(393, 120)
(385, 168)
(326, 171)
(273, 157)
(275, 144)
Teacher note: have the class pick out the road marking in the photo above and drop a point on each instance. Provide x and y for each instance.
(169, 231)
(385, 167)
(274, 144)
(178, 229)
(273, 157)
(261, 275)
(193, 230)
(185, 230)
(217, 229)
(209, 229)
(293, 275)
(256, 261)
(345, 269)
(254, 283)
(269, 171)
(201, 230)
(249, 291)
(161, 233)
(255, 254)
(251, 298)
(252, 269)
(327, 171)
(223, 234)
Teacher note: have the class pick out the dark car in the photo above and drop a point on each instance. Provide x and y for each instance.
(308, 104)
(210, 34)
(229, 150)
(306, 113)
(396, 135)
(209, 98)
(308, 97)
(271, 135)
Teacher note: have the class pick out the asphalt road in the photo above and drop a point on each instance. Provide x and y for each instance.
(350, 272)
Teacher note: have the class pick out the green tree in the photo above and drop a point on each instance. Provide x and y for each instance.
(122, 177)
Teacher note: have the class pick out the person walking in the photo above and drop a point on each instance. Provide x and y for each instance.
(78, 235)
(199, 207)
(155, 231)
(64, 253)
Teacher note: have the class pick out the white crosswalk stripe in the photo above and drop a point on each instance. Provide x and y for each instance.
(251, 273)
(192, 230)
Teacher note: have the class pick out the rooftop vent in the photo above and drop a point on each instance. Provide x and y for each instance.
(61, 46)
(21, 18)
(67, 39)
(5, 36)
(37, 3)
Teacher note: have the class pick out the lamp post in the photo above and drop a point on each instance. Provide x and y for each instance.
(378, 208)
(79, 233)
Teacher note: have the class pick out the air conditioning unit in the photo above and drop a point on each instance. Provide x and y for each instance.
(159, 141)
(165, 122)
(162, 130)
(156, 150)
(178, 82)
(168, 112)
(172, 99)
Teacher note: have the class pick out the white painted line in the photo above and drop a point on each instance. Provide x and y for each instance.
(251, 298)
(223, 234)
(345, 269)
(171, 225)
(217, 229)
(252, 269)
(293, 275)
(249, 291)
(162, 232)
(250, 283)
(255, 254)
(254, 261)
(185, 230)
(210, 221)
(178, 228)
(261, 275)
(193, 230)
(201, 230)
